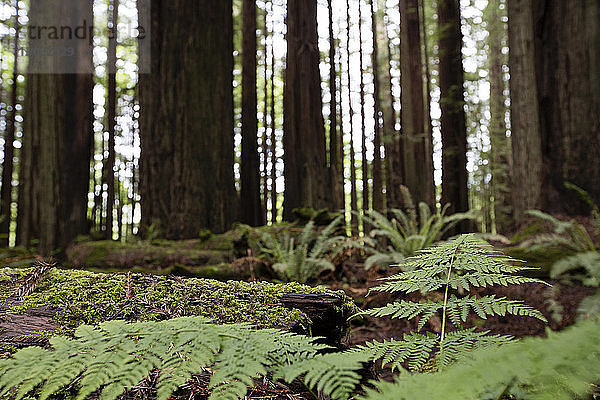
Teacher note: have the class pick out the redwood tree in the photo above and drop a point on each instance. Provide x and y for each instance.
(307, 179)
(452, 121)
(186, 119)
(57, 132)
(251, 210)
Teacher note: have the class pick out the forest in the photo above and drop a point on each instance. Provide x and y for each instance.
(299, 199)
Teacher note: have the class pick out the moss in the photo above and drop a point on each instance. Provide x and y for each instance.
(86, 297)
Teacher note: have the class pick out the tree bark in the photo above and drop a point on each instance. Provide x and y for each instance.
(418, 156)
(57, 134)
(525, 120)
(307, 182)
(353, 190)
(274, 211)
(251, 210)
(500, 146)
(377, 164)
(452, 121)
(9, 149)
(186, 119)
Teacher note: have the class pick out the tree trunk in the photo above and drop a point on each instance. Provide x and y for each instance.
(186, 120)
(353, 191)
(335, 159)
(363, 133)
(377, 165)
(418, 158)
(273, 136)
(111, 116)
(265, 146)
(500, 146)
(251, 210)
(9, 150)
(394, 164)
(567, 51)
(57, 135)
(452, 121)
(525, 120)
(307, 182)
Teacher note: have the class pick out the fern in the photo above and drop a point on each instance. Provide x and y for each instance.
(563, 366)
(408, 231)
(305, 256)
(453, 267)
(117, 355)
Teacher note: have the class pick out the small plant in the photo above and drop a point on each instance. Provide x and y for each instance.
(453, 268)
(570, 235)
(407, 232)
(299, 258)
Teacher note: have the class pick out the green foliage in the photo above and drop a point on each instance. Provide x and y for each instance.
(570, 235)
(563, 366)
(304, 256)
(453, 267)
(407, 232)
(116, 355)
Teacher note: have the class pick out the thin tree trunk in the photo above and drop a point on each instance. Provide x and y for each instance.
(500, 146)
(452, 121)
(306, 173)
(9, 150)
(273, 133)
(353, 191)
(429, 173)
(335, 160)
(377, 165)
(251, 211)
(265, 147)
(112, 116)
(364, 162)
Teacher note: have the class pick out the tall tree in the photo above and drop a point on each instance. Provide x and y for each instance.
(307, 181)
(363, 131)
(265, 146)
(353, 191)
(452, 121)
(57, 132)
(111, 119)
(377, 164)
(335, 158)
(251, 210)
(418, 155)
(567, 69)
(500, 146)
(525, 120)
(186, 120)
(273, 131)
(9, 150)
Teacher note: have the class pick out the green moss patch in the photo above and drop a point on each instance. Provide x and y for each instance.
(86, 297)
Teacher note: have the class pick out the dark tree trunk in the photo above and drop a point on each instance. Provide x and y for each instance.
(111, 117)
(251, 210)
(186, 120)
(363, 132)
(335, 159)
(353, 191)
(273, 136)
(394, 163)
(9, 150)
(525, 121)
(307, 182)
(418, 156)
(58, 130)
(377, 165)
(452, 121)
(500, 146)
(567, 51)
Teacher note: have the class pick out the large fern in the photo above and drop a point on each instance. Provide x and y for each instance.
(408, 231)
(452, 268)
(117, 355)
(563, 366)
(299, 258)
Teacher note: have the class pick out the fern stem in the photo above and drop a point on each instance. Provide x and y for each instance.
(443, 333)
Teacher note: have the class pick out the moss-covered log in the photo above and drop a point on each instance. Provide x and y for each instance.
(64, 299)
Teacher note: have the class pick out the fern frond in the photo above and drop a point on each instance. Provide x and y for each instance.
(588, 261)
(414, 347)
